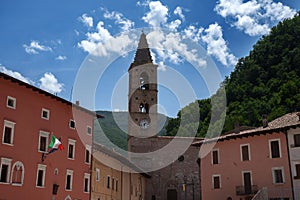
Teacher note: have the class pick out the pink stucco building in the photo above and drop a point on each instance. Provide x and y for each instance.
(250, 164)
(29, 117)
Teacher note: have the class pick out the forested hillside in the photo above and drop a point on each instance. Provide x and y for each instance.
(111, 130)
(267, 81)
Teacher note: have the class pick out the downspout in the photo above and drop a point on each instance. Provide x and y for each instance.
(121, 182)
(289, 160)
(91, 173)
(130, 184)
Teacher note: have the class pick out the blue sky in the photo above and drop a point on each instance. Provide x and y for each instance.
(46, 43)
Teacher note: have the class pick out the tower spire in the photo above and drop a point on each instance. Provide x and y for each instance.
(142, 54)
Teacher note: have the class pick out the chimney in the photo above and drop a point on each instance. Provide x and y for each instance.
(77, 103)
(264, 121)
(237, 127)
(298, 114)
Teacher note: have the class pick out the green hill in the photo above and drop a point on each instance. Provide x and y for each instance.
(267, 81)
(112, 129)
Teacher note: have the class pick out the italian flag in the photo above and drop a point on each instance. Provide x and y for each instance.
(55, 144)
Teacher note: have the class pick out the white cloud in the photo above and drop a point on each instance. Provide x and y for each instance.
(50, 84)
(157, 15)
(60, 57)
(101, 43)
(170, 46)
(126, 24)
(34, 47)
(86, 20)
(216, 45)
(162, 66)
(174, 25)
(254, 17)
(178, 11)
(15, 74)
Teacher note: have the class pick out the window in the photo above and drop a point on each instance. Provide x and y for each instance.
(86, 184)
(297, 171)
(108, 182)
(71, 149)
(144, 83)
(97, 174)
(72, 124)
(278, 175)
(297, 140)
(113, 183)
(8, 132)
(17, 173)
(45, 114)
(89, 130)
(117, 185)
(275, 148)
(5, 170)
(11, 102)
(43, 141)
(215, 156)
(40, 177)
(69, 179)
(245, 153)
(87, 154)
(216, 181)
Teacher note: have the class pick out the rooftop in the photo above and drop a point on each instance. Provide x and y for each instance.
(283, 123)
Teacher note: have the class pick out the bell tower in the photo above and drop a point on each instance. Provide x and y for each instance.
(142, 98)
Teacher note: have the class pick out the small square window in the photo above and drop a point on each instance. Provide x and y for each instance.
(97, 174)
(108, 182)
(215, 157)
(71, 149)
(275, 148)
(8, 132)
(297, 140)
(40, 178)
(245, 153)
(297, 171)
(72, 124)
(11, 102)
(216, 182)
(45, 114)
(278, 176)
(69, 180)
(5, 170)
(89, 130)
(43, 141)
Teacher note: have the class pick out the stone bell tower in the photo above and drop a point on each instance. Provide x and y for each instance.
(142, 98)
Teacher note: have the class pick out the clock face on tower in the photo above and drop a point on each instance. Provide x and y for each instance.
(144, 123)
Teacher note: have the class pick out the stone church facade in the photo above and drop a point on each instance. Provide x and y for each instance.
(179, 180)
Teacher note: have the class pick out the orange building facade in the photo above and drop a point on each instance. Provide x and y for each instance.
(28, 118)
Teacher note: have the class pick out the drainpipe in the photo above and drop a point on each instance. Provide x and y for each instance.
(121, 184)
(289, 160)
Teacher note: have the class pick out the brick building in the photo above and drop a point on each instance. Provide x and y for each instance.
(29, 117)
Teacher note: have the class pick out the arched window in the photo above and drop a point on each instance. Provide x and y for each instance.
(142, 108)
(17, 176)
(144, 81)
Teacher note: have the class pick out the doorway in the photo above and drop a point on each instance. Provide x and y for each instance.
(172, 194)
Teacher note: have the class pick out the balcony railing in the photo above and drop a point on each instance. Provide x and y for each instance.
(242, 190)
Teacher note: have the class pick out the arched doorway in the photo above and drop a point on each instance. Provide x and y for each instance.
(172, 194)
